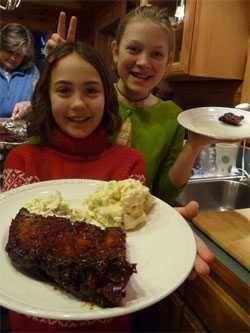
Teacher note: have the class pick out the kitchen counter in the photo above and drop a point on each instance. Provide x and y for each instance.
(241, 272)
(218, 302)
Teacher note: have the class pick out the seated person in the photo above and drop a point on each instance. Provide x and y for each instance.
(18, 73)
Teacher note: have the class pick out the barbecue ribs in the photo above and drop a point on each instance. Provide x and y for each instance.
(81, 258)
(230, 118)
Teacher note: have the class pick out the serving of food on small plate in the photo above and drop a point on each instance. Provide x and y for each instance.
(12, 132)
(85, 249)
(217, 122)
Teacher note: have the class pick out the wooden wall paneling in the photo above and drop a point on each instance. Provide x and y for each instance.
(42, 15)
(105, 24)
(191, 92)
(113, 10)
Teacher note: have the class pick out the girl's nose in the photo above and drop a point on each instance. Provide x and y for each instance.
(143, 59)
(78, 101)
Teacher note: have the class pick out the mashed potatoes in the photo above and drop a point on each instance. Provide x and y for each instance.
(48, 204)
(119, 203)
(122, 204)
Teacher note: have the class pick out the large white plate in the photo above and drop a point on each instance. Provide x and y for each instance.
(205, 120)
(164, 250)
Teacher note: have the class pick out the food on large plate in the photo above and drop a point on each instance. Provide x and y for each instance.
(232, 119)
(82, 259)
(123, 204)
(52, 204)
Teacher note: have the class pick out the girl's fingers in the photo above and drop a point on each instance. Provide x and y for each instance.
(189, 211)
(53, 42)
(61, 26)
(200, 266)
(71, 35)
(203, 250)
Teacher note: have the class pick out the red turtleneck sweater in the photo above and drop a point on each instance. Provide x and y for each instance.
(65, 157)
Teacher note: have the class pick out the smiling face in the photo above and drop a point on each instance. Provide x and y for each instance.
(77, 96)
(10, 60)
(141, 57)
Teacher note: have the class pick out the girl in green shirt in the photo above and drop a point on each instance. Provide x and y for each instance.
(141, 52)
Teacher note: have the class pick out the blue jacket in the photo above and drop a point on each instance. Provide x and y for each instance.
(19, 88)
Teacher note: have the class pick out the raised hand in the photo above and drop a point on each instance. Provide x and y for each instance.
(61, 28)
(21, 109)
(61, 36)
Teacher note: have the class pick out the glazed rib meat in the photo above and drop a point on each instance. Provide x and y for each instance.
(232, 119)
(81, 258)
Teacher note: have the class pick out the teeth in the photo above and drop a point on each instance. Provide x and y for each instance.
(79, 119)
(140, 76)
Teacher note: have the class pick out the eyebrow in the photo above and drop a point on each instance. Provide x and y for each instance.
(140, 43)
(68, 82)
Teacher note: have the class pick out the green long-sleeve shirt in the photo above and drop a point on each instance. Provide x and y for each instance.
(157, 135)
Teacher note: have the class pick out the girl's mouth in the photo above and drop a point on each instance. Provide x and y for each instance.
(78, 120)
(141, 76)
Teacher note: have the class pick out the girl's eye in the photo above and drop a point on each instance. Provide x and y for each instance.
(133, 49)
(63, 91)
(157, 55)
(91, 90)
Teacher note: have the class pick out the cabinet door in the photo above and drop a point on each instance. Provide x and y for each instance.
(214, 41)
(190, 323)
(215, 307)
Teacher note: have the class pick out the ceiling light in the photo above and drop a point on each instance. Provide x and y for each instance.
(9, 4)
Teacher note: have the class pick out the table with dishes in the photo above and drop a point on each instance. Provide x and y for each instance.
(12, 134)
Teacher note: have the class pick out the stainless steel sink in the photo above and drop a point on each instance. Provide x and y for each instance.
(217, 195)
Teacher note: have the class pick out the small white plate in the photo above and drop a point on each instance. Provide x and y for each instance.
(205, 121)
(164, 250)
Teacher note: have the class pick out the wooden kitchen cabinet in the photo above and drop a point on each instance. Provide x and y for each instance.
(219, 302)
(214, 39)
(216, 308)
(211, 41)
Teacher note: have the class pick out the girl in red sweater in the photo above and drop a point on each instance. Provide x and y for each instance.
(74, 112)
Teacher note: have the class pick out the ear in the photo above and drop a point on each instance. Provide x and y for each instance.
(115, 51)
